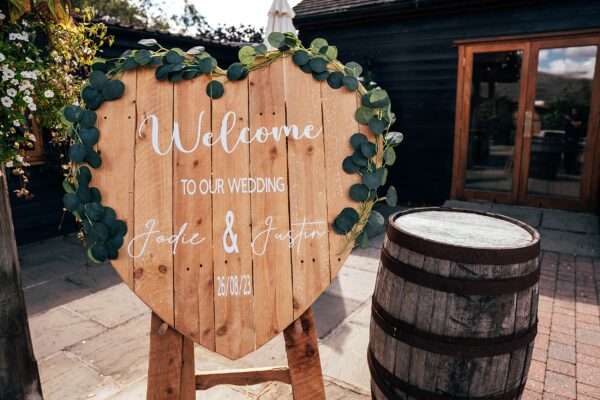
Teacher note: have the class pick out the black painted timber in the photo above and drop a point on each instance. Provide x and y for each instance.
(409, 48)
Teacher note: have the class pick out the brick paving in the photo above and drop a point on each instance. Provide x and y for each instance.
(566, 357)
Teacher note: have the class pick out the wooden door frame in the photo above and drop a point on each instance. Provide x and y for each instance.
(463, 116)
(590, 183)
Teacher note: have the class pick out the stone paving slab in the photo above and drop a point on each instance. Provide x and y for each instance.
(59, 328)
(572, 222)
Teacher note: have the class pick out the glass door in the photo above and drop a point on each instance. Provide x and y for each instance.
(560, 124)
(494, 88)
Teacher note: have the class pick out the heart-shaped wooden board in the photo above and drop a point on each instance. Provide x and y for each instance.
(230, 236)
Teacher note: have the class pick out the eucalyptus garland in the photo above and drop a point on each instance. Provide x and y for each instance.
(104, 233)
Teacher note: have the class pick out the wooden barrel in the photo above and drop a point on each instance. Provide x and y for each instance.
(454, 314)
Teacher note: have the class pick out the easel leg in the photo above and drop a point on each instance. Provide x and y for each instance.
(171, 371)
(303, 358)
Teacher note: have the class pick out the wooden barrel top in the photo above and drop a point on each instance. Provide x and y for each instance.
(464, 235)
(466, 229)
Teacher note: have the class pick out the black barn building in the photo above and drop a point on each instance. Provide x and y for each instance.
(523, 74)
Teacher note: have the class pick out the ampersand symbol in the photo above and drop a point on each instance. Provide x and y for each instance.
(230, 246)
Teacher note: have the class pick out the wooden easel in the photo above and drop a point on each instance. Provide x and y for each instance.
(171, 373)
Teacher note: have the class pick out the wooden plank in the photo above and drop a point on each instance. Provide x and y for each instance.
(272, 265)
(306, 163)
(117, 124)
(192, 211)
(234, 308)
(153, 273)
(303, 358)
(169, 366)
(339, 124)
(242, 377)
(457, 185)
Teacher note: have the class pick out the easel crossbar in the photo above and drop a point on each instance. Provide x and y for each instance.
(242, 377)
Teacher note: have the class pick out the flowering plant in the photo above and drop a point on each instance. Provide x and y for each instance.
(42, 63)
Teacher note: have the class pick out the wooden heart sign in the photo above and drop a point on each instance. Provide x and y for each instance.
(232, 199)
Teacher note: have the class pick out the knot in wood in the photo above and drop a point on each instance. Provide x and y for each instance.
(162, 269)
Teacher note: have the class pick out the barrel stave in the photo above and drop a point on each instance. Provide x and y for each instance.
(452, 315)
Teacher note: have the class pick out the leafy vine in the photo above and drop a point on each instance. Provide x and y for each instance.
(370, 159)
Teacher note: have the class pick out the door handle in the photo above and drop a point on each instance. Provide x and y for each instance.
(528, 124)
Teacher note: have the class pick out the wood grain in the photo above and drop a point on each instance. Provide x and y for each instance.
(339, 106)
(272, 271)
(117, 124)
(234, 313)
(193, 265)
(242, 377)
(308, 202)
(153, 273)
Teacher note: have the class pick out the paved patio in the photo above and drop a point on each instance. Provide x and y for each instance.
(90, 333)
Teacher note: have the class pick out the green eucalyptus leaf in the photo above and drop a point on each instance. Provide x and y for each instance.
(350, 83)
(321, 76)
(364, 114)
(318, 65)
(331, 52)
(301, 58)
(67, 186)
(349, 166)
(215, 90)
(89, 94)
(110, 217)
(93, 159)
(359, 192)
(116, 242)
(97, 79)
(143, 57)
(372, 180)
(359, 159)
(389, 156)
(196, 50)
(129, 64)
(363, 240)
(391, 197)
(276, 39)
(148, 42)
(375, 224)
(71, 113)
(89, 136)
(335, 80)
(357, 140)
(247, 55)
(118, 228)
(378, 98)
(206, 65)
(306, 68)
(345, 220)
(84, 194)
(354, 69)
(394, 138)
(382, 174)
(71, 201)
(162, 72)
(261, 49)
(87, 119)
(77, 153)
(173, 57)
(377, 126)
(175, 76)
(95, 212)
(190, 73)
(236, 72)
(100, 65)
(318, 43)
(84, 176)
(368, 149)
(96, 195)
(113, 90)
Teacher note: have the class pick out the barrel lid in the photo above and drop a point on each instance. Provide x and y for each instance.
(467, 236)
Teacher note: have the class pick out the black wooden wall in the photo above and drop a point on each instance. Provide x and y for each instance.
(412, 56)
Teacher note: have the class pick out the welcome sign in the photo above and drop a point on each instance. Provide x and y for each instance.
(231, 200)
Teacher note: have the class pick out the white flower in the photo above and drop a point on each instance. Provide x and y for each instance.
(27, 92)
(28, 99)
(29, 60)
(2, 16)
(16, 123)
(12, 92)
(30, 137)
(19, 158)
(6, 101)
(32, 106)
(2, 57)
(9, 164)
(14, 82)
(48, 94)
(7, 74)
